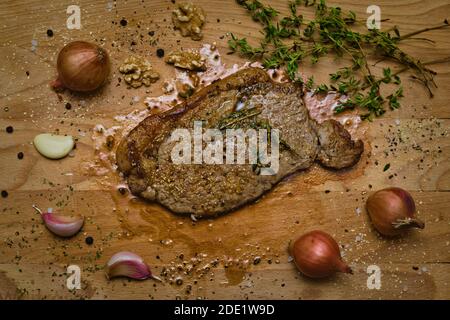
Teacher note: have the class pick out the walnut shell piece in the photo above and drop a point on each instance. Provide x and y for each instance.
(189, 19)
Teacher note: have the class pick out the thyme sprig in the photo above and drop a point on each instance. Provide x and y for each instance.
(290, 40)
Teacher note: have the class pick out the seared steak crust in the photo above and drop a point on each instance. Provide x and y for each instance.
(208, 190)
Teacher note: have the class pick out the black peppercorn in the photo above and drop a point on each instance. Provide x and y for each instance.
(122, 190)
(4, 193)
(9, 129)
(20, 155)
(89, 240)
(50, 33)
(160, 53)
(68, 106)
(123, 22)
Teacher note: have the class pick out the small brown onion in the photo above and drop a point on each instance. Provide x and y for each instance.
(316, 254)
(82, 66)
(392, 211)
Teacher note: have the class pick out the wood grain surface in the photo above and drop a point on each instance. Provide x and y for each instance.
(223, 252)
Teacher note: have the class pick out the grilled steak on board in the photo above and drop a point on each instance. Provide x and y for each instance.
(210, 189)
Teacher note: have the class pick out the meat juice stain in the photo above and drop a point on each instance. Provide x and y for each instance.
(140, 218)
(234, 275)
(128, 210)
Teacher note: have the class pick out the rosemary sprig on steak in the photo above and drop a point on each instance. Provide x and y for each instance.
(234, 119)
(289, 41)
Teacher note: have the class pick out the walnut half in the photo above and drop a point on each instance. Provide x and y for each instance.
(189, 19)
(138, 71)
(190, 60)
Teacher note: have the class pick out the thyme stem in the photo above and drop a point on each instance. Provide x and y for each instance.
(408, 35)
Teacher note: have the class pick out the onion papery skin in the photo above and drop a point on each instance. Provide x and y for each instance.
(316, 254)
(392, 211)
(82, 66)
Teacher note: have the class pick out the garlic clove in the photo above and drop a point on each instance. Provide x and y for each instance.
(53, 146)
(62, 226)
(130, 265)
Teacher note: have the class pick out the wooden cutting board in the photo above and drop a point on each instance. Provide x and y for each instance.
(242, 254)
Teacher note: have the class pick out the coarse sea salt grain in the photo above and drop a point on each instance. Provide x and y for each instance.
(99, 128)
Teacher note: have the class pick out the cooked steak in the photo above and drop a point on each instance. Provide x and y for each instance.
(144, 156)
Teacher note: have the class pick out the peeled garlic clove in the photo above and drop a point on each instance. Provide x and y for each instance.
(130, 265)
(62, 226)
(53, 146)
